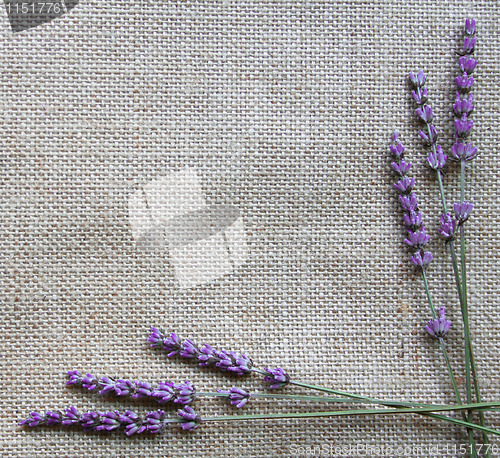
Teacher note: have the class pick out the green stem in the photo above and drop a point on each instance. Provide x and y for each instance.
(339, 413)
(472, 366)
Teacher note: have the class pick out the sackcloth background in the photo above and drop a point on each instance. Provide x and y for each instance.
(285, 109)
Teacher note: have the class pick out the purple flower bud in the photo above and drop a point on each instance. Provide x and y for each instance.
(186, 393)
(172, 345)
(448, 227)
(405, 185)
(164, 393)
(470, 27)
(422, 261)
(429, 139)
(420, 96)
(438, 327)
(34, 419)
(402, 168)
(71, 416)
(463, 151)
(155, 421)
(462, 211)
(463, 127)
(90, 421)
(469, 44)
(437, 160)
(277, 377)
(109, 421)
(75, 378)
(417, 239)
(54, 418)
(108, 385)
(424, 113)
(189, 349)
(156, 337)
(397, 149)
(467, 64)
(124, 387)
(409, 202)
(142, 390)
(412, 219)
(417, 80)
(89, 382)
(242, 364)
(464, 106)
(133, 423)
(207, 355)
(191, 420)
(237, 396)
(464, 82)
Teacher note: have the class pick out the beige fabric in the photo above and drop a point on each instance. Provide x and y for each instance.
(285, 109)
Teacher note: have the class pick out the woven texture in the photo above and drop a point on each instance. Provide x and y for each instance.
(284, 109)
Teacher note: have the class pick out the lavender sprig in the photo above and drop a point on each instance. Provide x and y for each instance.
(179, 393)
(205, 355)
(132, 423)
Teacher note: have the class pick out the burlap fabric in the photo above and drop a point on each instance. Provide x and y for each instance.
(285, 110)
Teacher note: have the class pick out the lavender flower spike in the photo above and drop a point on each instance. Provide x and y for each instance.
(462, 211)
(277, 377)
(237, 396)
(438, 327)
(182, 393)
(191, 420)
(448, 227)
(422, 261)
(205, 355)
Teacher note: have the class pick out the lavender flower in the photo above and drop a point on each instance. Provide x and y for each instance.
(71, 416)
(277, 377)
(109, 421)
(448, 227)
(34, 419)
(469, 45)
(462, 211)
(420, 96)
(90, 421)
(424, 113)
(191, 420)
(464, 82)
(470, 27)
(463, 126)
(182, 393)
(237, 396)
(463, 151)
(155, 422)
(467, 64)
(417, 239)
(132, 422)
(420, 260)
(171, 343)
(205, 355)
(436, 159)
(418, 80)
(430, 137)
(438, 327)
(463, 106)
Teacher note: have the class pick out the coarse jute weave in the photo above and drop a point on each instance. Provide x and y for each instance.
(285, 110)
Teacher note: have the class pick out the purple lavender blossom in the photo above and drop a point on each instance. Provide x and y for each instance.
(75, 378)
(205, 355)
(463, 151)
(417, 239)
(463, 106)
(418, 79)
(191, 420)
(185, 393)
(109, 421)
(401, 168)
(182, 393)
(405, 185)
(412, 219)
(437, 159)
(164, 393)
(467, 64)
(438, 327)
(90, 421)
(470, 27)
(132, 422)
(34, 419)
(237, 396)
(469, 45)
(462, 211)
(420, 96)
(409, 202)
(463, 126)
(424, 113)
(71, 416)
(89, 382)
(422, 261)
(448, 227)
(155, 421)
(429, 137)
(464, 82)
(277, 377)
(171, 343)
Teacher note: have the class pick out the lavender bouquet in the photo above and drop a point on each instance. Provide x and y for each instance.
(453, 222)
